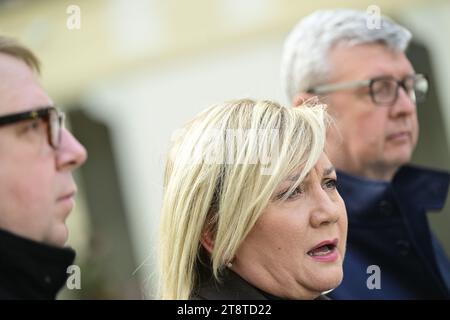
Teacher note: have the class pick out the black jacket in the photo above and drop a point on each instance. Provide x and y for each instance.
(232, 287)
(31, 270)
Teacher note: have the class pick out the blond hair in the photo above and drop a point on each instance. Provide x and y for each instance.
(227, 197)
(13, 48)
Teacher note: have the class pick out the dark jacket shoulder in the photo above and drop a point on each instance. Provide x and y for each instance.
(31, 270)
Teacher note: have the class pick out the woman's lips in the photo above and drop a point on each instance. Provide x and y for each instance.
(325, 251)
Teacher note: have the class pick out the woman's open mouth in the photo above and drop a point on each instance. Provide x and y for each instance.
(325, 251)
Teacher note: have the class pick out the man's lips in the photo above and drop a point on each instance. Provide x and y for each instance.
(399, 135)
(69, 195)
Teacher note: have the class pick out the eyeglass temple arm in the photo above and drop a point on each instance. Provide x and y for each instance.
(23, 116)
(338, 86)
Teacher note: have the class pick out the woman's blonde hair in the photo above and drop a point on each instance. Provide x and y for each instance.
(222, 170)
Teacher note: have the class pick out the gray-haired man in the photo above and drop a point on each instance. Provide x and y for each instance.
(372, 90)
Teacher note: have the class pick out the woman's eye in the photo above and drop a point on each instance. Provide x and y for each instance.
(285, 195)
(331, 184)
(294, 194)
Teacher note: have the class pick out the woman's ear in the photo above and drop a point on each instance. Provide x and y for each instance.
(207, 241)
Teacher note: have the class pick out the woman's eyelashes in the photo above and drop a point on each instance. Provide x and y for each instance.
(289, 195)
(295, 193)
(328, 184)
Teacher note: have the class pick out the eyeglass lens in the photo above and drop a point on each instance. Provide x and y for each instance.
(385, 91)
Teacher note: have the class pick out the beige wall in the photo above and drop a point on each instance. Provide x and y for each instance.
(116, 37)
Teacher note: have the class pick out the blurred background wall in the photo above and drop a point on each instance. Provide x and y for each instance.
(136, 70)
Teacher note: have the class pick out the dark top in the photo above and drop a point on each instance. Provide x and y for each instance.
(31, 270)
(232, 287)
(388, 228)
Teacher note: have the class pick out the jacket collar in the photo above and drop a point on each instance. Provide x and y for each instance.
(424, 188)
(31, 270)
(231, 287)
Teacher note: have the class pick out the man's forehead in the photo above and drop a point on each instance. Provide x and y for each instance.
(367, 61)
(19, 87)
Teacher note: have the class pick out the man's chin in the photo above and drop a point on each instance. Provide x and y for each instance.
(399, 156)
(59, 237)
(400, 159)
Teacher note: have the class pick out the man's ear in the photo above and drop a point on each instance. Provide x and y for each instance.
(207, 241)
(300, 98)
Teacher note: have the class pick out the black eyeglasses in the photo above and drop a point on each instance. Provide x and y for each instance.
(383, 90)
(51, 115)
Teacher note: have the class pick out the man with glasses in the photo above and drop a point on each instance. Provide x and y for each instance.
(37, 190)
(371, 88)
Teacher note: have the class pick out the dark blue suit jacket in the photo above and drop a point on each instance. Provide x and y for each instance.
(388, 228)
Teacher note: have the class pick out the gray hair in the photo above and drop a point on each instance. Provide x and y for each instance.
(305, 55)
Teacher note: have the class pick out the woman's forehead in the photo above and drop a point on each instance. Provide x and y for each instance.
(323, 166)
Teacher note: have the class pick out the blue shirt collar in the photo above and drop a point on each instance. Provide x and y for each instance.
(418, 186)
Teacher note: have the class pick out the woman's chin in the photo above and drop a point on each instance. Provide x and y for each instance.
(330, 281)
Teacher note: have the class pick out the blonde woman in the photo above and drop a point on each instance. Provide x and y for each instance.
(250, 208)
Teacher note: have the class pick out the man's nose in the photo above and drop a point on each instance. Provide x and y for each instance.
(71, 153)
(404, 105)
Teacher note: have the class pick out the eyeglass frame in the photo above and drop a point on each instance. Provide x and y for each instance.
(328, 88)
(40, 113)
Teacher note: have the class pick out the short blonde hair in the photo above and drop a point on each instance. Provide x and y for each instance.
(13, 48)
(223, 196)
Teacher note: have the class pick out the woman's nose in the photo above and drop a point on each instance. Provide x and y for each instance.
(325, 211)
